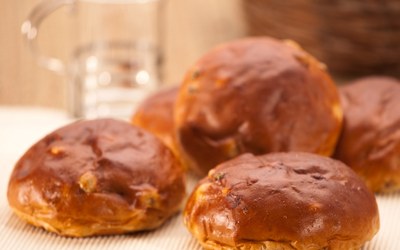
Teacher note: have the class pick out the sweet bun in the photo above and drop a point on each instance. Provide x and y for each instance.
(155, 114)
(282, 201)
(255, 95)
(370, 141)
(97, 177)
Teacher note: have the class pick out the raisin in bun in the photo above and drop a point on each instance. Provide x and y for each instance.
(97, 177)
(370, 141)
(282, 201)
(155, 114)
(255, 95)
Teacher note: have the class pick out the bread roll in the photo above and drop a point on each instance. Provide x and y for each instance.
(155, 115)
(282, 201)
(255, 95)
(97, 177)
(370, 141)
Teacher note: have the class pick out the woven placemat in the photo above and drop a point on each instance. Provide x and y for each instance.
(20, 128)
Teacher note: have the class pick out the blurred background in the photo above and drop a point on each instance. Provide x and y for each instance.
(353, 38)
(191, 27)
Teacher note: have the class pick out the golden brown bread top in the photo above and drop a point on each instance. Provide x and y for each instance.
(303, 200)
(97, 177)
(255, 95)
(155, 115)
(370, 140)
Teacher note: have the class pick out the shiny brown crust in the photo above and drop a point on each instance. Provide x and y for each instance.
(370, 141)
(97, 177)
(155, 115)
(255, 95)
(282, 201)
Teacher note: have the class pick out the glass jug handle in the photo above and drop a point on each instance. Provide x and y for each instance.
(30, 29)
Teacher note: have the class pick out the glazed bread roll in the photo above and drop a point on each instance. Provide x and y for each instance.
(255, 95)
(282, 201)
(155, 115)
(97, 177)
(370, 141)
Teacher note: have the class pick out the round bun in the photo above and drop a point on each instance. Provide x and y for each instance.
(370, 141)
(282, 201)
(155, 115)
(256, 95)
(97, 177)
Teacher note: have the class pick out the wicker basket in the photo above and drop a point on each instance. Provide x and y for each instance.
(351, 37)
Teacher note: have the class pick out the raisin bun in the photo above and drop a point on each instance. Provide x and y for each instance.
(155, 114)
(370, 141)
(255, 95)
(97, 177)
(282, 201)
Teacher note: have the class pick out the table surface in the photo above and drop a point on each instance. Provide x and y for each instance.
(20, 127)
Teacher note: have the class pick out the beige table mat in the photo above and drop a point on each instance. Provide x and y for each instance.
(21, 127)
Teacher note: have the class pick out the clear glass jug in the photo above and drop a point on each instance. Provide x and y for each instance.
(116, 57)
